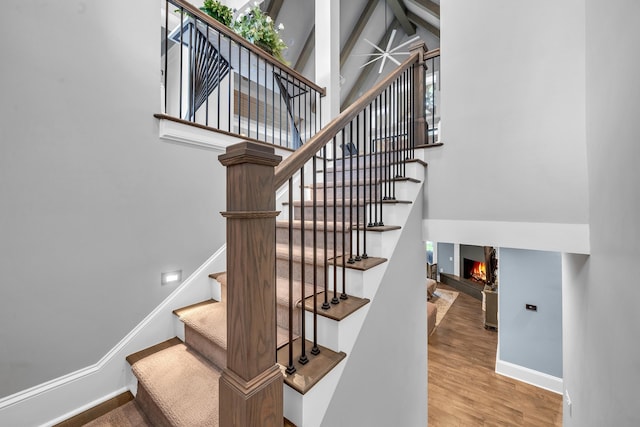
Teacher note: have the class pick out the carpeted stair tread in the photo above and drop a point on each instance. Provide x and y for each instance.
(282, 252)
(127, 415)
(182, 384)
(181, 312)
(210, 321)
(363, 182)
(308, 225)
(347, 202)
(282, 291)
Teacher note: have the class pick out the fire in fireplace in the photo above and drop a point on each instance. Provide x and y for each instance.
(474, 270)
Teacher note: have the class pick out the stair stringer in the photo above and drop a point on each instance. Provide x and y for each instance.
(310, 409)
(384, 377)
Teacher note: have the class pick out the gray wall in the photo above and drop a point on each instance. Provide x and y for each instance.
(513, 120)
(601, 316)
(94, 205)
(445, 258)
(531, 339)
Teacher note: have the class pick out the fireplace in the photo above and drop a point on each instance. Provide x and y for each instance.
(474, 270)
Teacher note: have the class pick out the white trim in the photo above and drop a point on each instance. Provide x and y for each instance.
(68, 392)
(193, 135)
(86, 407)
(529, 376)
(555, 237)
(172, 131)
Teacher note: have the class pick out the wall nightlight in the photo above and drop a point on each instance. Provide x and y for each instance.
(171, 277)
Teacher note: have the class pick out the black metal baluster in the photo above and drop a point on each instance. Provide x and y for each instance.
(280, 112)
(335, 299)
(343, 295)
(358, 257)
(239, 87)
(303, 267)
(396, 140)
(273, 107)
(229, 90)
(192, 72)
(291, 368)
(266, 94)
(349, 150)
(433, 91)
(207, 83)
(315, 349)
(325, 304)
(366, 137)
(375, 160)
(166, 52)
(387, 123)
(249, 94)
(219, 79)
(181, 32)
(383, 154)
(405, 122)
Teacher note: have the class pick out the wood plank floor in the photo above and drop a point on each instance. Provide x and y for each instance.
(464, 389)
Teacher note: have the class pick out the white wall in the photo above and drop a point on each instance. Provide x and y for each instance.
(513, 123)
(384, 382)
(601, 293)
(94, 205)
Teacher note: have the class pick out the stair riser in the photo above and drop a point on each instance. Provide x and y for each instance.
(308, 213)
(372, 158)
(358, 192)
(282, 317)
(150, 408)
(379, 173)
(282, 236)
(282, 270)
(210, 350)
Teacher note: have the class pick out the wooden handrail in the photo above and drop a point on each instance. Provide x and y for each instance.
(293, 163)
(432, 54)
(245, 43)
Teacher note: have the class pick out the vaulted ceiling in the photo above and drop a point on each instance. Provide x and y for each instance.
(373, 20)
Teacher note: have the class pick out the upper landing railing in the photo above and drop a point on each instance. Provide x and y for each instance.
(213, 77)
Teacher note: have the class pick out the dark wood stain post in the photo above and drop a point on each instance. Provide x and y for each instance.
(251, 386)
(419, 121)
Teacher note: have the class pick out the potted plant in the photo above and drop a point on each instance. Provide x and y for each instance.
(218, 11)
(257, 27)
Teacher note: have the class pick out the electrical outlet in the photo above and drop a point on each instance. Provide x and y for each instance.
(450, 258)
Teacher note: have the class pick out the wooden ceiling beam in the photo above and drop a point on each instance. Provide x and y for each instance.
(366, 71)
(429, 6)
(305, 54)
(351, 41)
(400, 12)
(424, 24)
(273, 10)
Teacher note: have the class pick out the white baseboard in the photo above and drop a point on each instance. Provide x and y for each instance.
(87, 406)
(529, 376)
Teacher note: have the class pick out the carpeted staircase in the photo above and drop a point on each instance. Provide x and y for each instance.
(177, 381)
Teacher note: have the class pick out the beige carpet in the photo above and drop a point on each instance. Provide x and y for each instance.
(182, 384)
(127, 415)
(443, 299)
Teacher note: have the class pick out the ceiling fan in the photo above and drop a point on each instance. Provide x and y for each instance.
(388, 52)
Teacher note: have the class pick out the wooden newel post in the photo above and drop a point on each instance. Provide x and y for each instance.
(251, 386)
(420, 126)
